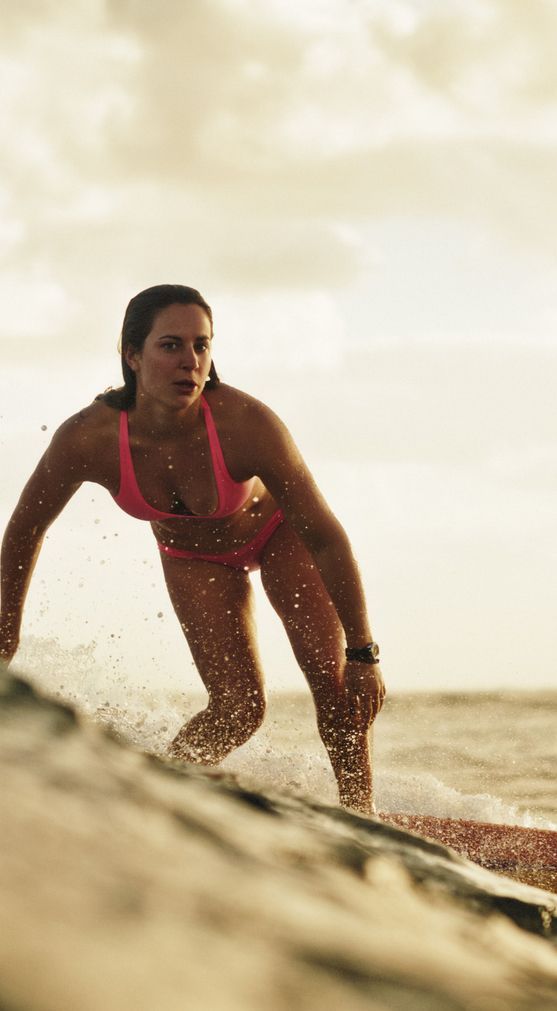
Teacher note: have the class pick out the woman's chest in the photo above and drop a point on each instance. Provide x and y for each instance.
(176, 476)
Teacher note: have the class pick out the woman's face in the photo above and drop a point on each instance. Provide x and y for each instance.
(174, 363)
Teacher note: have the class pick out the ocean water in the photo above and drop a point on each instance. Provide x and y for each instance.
(484, 756)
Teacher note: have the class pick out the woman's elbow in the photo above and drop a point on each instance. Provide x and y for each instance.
(330, 535)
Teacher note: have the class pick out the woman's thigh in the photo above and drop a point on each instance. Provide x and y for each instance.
(297, 593)
(214, 605)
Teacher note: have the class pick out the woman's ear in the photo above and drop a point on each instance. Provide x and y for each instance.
(132, 356)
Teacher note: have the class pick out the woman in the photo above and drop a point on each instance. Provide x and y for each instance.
(226, 491)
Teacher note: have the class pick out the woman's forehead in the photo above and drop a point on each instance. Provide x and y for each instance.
(181, 319)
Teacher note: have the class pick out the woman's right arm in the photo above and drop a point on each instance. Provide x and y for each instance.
(56, 478)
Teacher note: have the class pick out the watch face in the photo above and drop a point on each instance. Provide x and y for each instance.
(374, 650)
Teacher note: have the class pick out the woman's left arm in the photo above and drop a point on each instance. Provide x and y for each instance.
(280, 466)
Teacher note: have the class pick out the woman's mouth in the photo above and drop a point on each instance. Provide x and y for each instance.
(186, 385)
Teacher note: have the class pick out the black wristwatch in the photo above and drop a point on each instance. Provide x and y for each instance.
(364, 654)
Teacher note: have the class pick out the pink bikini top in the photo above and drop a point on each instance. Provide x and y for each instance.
(232, 495)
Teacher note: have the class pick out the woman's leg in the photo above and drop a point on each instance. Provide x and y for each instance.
(296, 591)
(214, 606)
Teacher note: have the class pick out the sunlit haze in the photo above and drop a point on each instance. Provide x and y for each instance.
(364, 193)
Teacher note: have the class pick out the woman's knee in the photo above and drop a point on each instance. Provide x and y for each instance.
(245, 710)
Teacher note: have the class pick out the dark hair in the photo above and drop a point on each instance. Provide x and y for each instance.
(138, 321)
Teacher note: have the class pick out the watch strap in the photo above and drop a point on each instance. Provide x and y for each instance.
(363, 654)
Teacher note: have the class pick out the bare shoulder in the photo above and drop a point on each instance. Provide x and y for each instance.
(242, 413)
(254, 439)
(78, 452)
(228, 398)
(84, 436)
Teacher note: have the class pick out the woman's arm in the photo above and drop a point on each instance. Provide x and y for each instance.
(280, 466)
(56, 478)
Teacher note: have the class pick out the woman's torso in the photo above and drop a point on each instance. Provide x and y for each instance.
(177, 471)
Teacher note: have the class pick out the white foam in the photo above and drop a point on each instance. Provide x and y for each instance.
(424, 794)
(259, 765)
(148, 715)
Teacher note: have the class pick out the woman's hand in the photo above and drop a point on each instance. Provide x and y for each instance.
(9, 639)
(364, 693)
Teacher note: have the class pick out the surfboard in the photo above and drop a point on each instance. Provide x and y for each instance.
(526, 854)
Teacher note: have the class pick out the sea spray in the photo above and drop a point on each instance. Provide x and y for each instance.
(438, 754)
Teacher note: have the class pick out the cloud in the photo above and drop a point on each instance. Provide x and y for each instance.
(466, 404)
(248, 144)
(32, 306)
(491, 58)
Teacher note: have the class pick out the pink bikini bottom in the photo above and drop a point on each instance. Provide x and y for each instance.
(248, 557)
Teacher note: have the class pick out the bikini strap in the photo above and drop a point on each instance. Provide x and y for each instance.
(222, 476)
(127, 474)
(129, 496)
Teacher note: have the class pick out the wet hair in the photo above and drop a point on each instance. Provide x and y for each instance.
(138, 322)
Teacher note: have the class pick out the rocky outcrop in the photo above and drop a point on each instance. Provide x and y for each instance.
(131, 883)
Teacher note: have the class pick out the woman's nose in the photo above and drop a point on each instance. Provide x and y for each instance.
(189, 359)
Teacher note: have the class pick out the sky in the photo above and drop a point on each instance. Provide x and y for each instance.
(364, 192)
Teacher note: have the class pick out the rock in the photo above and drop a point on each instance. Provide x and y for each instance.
(128, 882)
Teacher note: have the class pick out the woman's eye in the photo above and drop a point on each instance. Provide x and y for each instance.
(202, 347)
(169, 346)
